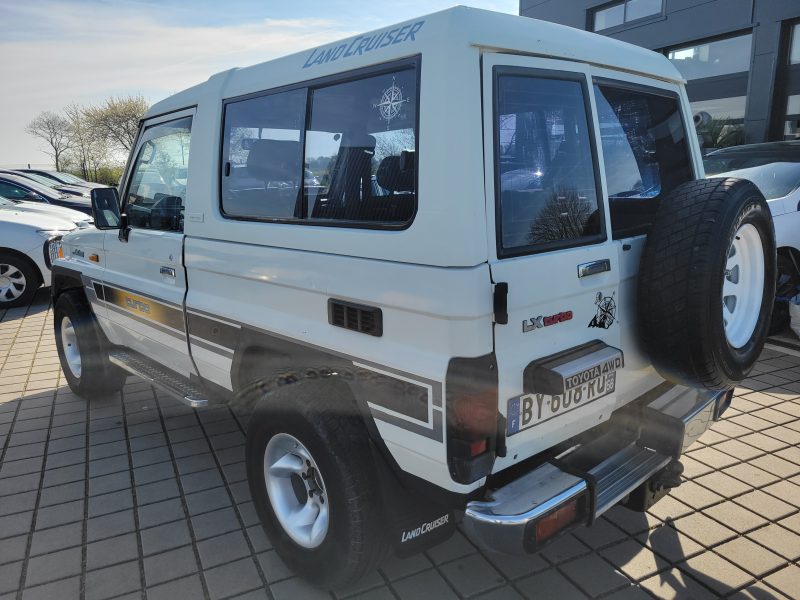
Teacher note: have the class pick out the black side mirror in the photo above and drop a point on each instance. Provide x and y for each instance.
(105, 208)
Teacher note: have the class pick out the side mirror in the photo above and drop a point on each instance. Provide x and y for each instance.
(33, 197)
(105, 208)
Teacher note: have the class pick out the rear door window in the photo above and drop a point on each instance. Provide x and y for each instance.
(545, 169)
(645, 151)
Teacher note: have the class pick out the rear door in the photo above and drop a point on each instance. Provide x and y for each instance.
(547, 215)
(145, 282)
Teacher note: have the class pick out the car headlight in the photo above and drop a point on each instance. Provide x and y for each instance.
(52, 250)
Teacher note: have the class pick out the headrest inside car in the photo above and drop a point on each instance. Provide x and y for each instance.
(274, 160)
(393, 177)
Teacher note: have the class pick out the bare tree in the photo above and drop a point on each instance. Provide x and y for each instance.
(55, 131)
(117, 120)
(564, 217)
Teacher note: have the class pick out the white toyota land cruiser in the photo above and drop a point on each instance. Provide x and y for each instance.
(464, 269)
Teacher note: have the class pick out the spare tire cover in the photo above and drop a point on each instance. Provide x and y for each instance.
(707, 282)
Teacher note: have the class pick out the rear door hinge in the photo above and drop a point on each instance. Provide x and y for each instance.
(501, 303)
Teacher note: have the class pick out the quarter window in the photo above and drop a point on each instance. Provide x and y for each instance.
(342, 153)
(645, 153)
(545, 167)
(157, 190)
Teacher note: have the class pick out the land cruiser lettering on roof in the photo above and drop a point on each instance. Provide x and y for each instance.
(353, 272)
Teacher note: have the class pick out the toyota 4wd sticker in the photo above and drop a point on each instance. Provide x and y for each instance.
(606, 311)
(542, 321)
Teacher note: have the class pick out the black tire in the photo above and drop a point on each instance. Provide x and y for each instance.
(23, 275)
(786, 287)
(97, 377)
(324, 418)
(681, 276)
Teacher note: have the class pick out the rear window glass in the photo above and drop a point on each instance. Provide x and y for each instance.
(545, 167)
(342, 153)
(644, 150)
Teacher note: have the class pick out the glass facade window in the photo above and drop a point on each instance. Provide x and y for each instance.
(791, 129)
(794, 48)
(618, 13)
(722, 57)
(719, 122)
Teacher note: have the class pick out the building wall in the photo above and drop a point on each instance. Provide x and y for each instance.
(687, 21)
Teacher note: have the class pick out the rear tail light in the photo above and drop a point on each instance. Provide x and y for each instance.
(556, 521)
(472, 417)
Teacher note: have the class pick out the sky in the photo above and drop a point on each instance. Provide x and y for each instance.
(54, 53)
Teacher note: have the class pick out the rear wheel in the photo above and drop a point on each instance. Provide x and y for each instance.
(82, 349)
(19, 280)
(313, 483)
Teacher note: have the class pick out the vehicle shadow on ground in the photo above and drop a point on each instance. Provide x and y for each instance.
(40, 304)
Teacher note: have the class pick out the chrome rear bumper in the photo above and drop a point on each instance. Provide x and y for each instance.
(643, 442)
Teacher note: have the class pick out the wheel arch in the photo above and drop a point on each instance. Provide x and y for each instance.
(27, 259)
(64, 279)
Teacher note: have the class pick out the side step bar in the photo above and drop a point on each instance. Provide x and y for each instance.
(164, 379)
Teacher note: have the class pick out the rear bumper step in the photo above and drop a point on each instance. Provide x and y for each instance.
(585, 482)
(161, 377)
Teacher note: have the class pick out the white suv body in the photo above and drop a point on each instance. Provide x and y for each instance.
(435, 288)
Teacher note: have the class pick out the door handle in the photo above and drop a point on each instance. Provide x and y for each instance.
(168, 272)
(594, 267)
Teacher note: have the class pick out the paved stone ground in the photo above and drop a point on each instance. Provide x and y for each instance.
(138, 496)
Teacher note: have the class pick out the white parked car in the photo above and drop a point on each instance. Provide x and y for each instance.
(26, 231)
(775, 169)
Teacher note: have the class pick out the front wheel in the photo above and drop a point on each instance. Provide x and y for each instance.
(82, 349)
(313, 484)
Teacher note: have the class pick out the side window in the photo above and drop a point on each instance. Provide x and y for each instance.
(546, 184)
(361, 147)
(645, 153)
(157, 185)
(334, 153)
(262, 156)
(12, 191)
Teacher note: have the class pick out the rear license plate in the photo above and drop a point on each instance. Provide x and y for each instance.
(531, 409)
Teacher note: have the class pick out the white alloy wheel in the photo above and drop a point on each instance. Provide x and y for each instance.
(12, 283)
(69, 342)
(743, 286)
(296, 490)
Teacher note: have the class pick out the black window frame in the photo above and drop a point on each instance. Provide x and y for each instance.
(657, 91)
(538, 73)
(413, 62)
(592, 12)
(130, 165)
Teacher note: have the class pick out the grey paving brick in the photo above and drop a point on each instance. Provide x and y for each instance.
(110, 503)
(116, 434)
(57, 590)
(56, 538)
(778, 539)
(214, 523)
(9, 577)
(147, 441)
(247, 513)
(207, 500)
(62, 475)
(188, 587)
(98, 451)
(427, 585)
(234, 439)
(472, 575)
(240, 492)
(165, 537)
(564, 548)
(17, 502)
(170, 565)
(106, 526)
(202, 480)
(26, 451)
(185, 434)
(155, 492)
(194, 463)
(107, 466)
(160, 512)
(273, 567)
(517, 566)
(51, 516)
(232, 578)
(21, 467)
(27, 437)
(151, 473)
(235, 472)
(13, 549)
(715, 572)
(65, 459)
(751, 557)
(150, 457)
(15, 524)
(55, 446)
(20, 483)
(111, 551)
(190, 448)
(65, 431)
(58, 494)
(672, 544)
(258, 538)
(105, 484)
(114, 581)
(676, 585)
(56, 565)
(221, 549)
(296, 588)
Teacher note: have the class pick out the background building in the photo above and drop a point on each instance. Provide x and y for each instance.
(741, 57)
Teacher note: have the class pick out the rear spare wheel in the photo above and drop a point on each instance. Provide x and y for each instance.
(707, 282)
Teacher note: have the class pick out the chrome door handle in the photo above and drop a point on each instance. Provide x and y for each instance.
(594, 267)
(168, 272)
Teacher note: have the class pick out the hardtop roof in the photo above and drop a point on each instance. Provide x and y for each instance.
(443, 31)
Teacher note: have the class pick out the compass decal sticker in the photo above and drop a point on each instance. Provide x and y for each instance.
(606, 311)
(391, 103)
